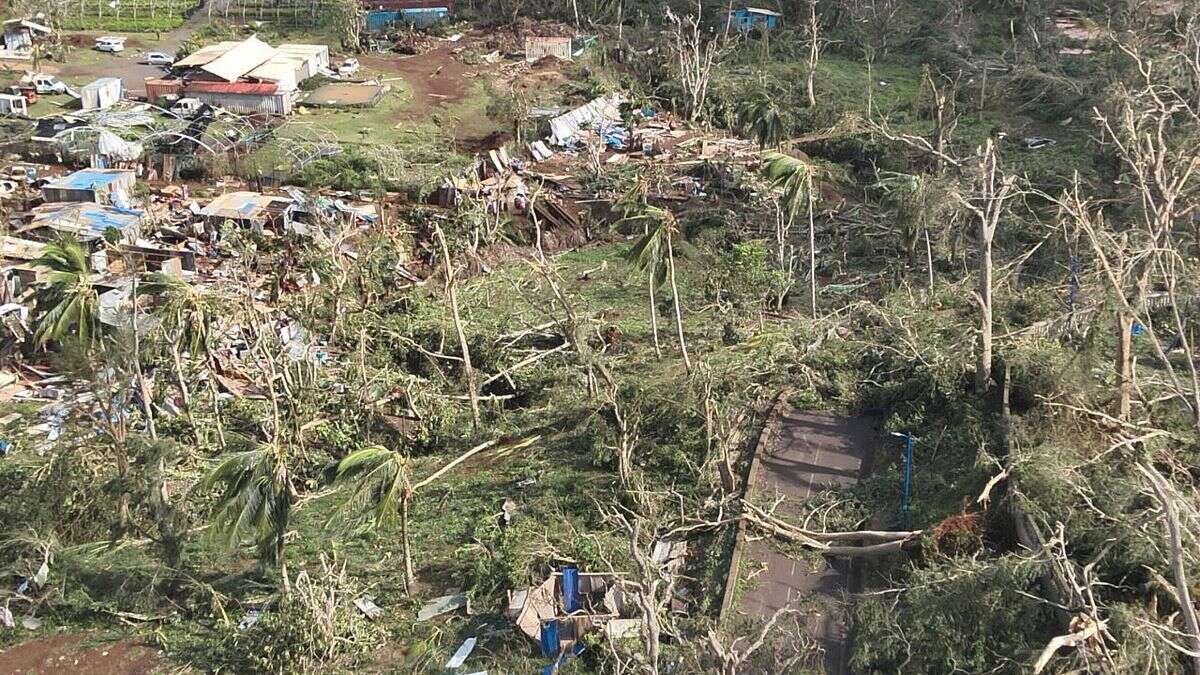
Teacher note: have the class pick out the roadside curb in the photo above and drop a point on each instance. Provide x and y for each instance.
(770, 426)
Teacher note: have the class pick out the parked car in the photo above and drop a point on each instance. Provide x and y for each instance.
(348, 67)
(158, 59)
(48, 84)
(110, 44)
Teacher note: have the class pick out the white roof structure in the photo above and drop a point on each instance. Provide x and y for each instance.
(205, 55)
(281, 70)
(765, 12)
(240, 59)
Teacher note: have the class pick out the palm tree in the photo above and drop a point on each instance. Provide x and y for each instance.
(186, 314)
(912, 197)
(256, 499)
(381, 490)
(795, 176)
(763, 119)
(654, 254)
(68, 302)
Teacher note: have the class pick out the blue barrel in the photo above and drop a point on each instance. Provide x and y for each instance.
(570, 588)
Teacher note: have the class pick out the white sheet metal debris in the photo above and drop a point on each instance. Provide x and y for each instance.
(367, 606)
(460, 656)
(597, 114)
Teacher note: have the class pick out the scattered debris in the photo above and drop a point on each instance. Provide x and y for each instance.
(1038, 142)
(460, 656)
(31, 623)
(367, 606)
(250, 619)
(442, 605)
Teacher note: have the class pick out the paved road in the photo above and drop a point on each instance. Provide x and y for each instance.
(807, 453)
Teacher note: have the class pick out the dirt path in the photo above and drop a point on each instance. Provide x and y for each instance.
(807, 452)
(436, 77)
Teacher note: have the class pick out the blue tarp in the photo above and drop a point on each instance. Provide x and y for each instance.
(424, 16)
(86, 179)
(96, 218)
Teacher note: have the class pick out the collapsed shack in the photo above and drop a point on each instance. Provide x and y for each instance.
(560, 612)
(250, 210)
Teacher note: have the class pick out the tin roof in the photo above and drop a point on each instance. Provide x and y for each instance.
(303, 50)
(84, 218)
(759, 10)
(86, 179)
(243, 205)
(280, 68)
(103, 83)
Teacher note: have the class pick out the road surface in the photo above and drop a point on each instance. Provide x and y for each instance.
(806, 453)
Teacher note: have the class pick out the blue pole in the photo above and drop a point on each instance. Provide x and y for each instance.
(908, 443)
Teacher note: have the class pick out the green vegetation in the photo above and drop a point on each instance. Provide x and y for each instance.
(977, 230)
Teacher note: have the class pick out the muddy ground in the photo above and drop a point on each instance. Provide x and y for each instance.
(78, 654)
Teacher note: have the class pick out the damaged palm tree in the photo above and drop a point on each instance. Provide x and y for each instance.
(654, 253)
(382, 490)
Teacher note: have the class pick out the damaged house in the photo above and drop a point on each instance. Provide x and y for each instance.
(98, 186)
(249, 77)
(20, 36)
(252, 210)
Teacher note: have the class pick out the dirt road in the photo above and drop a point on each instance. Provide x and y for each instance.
(807, 453)
(86, 63)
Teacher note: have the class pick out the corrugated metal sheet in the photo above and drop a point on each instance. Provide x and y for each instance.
(254, 88)
(156, 89)
(205, 55)
(100, 94)
(408, 4)
(85, 219)
(240, 59)
(284, 71)
(86, 179)
(315, 57)
(249, 104)
(596, 113)
(541, 47)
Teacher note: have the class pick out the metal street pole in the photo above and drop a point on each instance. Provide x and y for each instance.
(908, 445)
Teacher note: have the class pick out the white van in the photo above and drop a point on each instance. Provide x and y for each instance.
(110, 44)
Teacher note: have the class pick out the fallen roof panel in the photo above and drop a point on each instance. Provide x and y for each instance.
(240, 59)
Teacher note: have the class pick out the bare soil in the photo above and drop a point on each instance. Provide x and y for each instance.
(67, 655)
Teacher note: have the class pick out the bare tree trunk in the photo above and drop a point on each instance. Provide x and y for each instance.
(812, 249)
(409, 577)
(814, 53)
(468, 369)
(983, 366)
(988, 205)
(1163, 491)
(678, 302)
(654, 321)
(1124, 364)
